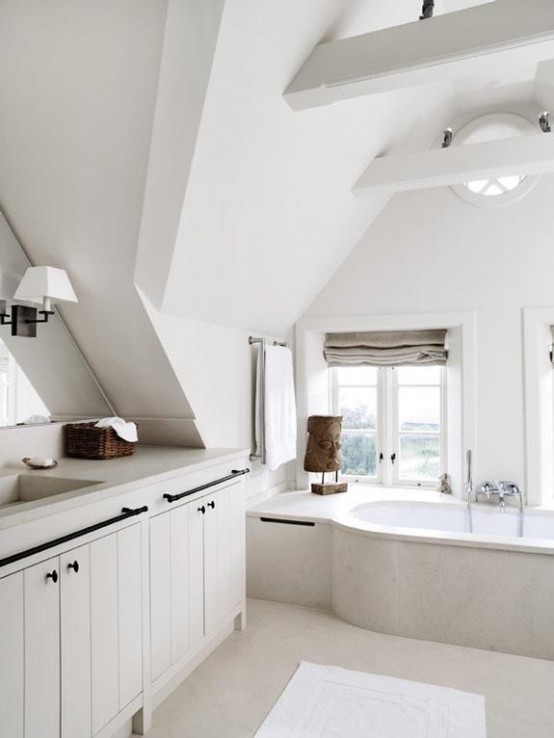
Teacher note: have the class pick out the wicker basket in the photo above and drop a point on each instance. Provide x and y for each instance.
(86, 441)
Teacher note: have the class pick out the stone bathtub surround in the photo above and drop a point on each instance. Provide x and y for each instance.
(487, 592)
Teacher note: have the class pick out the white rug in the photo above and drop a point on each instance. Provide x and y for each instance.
(328, 702)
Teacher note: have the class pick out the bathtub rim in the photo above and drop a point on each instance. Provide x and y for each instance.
(290, 506)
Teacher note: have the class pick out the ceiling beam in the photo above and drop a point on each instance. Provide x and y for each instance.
(486, 37)
(526, 155)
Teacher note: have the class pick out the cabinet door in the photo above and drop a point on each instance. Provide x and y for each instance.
(196, 571)
(224, 554)
(180, 579)
(104, 630)
(160, 594)
(212, 554)
(116, 623)
(42, 650)
(75, 643)
(231, 565)
(176, 584)
(11, 656)
(129, 557)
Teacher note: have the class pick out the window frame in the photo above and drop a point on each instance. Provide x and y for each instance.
(333, 404)
(388, 430)
(397, 480)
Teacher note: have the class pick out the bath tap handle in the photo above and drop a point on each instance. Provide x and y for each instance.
(487, 488)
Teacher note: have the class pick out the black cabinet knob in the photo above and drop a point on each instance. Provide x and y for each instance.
(53, 575)
(202, 509)
(74, 566)
(211, 504)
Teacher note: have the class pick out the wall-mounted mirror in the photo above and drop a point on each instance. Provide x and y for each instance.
(43, 376)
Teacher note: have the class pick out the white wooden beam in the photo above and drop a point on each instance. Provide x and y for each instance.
(525, 155)
(486, 38)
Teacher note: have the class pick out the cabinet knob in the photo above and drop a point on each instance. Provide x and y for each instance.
(74, 566)
(53, 575)
(211, 504)
(202, 509)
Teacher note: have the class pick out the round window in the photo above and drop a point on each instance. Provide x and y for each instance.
(496, 190)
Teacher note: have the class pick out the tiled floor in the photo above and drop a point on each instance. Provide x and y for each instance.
(229, 695)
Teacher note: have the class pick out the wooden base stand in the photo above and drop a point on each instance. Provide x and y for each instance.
(329, 489)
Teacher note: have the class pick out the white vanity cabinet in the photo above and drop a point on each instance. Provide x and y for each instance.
(70, 641)
(12, 655)
(196, 573)
(102, 615)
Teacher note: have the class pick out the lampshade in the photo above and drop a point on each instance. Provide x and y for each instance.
(43, 284)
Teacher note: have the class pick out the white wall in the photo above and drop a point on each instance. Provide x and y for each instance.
(430, 251)
(217, 366)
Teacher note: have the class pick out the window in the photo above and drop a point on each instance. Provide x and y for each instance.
(394, 423)
(495, 190)
(356, 399)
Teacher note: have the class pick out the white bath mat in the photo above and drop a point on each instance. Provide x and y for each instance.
(328, 702)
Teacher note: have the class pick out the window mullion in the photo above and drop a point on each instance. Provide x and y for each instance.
(387, 424)
(443, 421)
(394, 427)
(381, 425)
(334, 391)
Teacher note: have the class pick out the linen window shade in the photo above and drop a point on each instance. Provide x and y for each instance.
(386, 348)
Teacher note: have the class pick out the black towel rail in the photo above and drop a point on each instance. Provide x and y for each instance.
(234, 473)
(126, 512)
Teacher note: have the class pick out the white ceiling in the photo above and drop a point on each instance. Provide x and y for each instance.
(268, 214)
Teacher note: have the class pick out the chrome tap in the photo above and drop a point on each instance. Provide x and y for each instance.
(469, 479)
(469, 487)
(504, 489)
(501, 501)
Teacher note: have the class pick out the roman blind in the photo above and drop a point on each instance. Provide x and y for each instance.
(386, 348)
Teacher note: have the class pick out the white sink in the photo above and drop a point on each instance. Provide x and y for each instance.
(19, 488)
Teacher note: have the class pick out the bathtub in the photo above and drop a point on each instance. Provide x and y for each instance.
(403, 562)
(488, 520)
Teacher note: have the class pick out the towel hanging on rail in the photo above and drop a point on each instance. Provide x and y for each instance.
(280, 407)
(277, 394)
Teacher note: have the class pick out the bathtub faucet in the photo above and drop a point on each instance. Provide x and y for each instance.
(503, 489)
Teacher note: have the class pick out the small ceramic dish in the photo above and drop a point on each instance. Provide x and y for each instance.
(32, 463)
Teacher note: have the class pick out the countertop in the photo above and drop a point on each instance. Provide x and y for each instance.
(148, 465)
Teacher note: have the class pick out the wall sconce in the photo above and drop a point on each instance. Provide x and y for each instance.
(42, 284)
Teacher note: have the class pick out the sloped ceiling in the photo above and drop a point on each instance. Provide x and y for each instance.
(252, 200)
(268, 212)
(78, 82)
